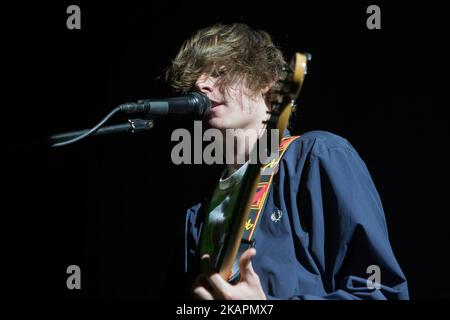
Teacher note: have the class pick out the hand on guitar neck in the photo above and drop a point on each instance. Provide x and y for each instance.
(212, 286)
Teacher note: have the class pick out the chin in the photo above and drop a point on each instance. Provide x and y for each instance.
(215, 123)
(223, 123)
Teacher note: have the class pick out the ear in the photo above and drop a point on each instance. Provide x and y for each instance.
(267, 87)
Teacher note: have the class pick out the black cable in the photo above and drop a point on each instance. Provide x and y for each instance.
(89, 133)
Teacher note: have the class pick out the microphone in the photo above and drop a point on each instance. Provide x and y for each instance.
(193, 103)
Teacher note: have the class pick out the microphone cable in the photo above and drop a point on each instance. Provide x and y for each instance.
(90, 132)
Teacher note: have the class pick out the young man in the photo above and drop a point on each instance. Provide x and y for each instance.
(322, 232)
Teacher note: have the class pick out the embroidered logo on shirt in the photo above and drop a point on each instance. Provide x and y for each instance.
(276, 215)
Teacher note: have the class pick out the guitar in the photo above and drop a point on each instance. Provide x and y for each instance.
(282, 98)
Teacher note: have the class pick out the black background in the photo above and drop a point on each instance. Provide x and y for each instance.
(115, 205)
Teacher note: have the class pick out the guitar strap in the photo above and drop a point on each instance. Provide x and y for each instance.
(258, 204)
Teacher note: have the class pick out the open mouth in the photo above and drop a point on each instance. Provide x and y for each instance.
(212, 112)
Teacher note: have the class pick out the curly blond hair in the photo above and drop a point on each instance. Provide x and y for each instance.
(232, 53)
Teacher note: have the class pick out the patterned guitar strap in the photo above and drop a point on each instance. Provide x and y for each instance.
(257, 207)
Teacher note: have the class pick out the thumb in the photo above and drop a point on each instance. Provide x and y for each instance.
(245, 263)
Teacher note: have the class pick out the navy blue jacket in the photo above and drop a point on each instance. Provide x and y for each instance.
(332, 227)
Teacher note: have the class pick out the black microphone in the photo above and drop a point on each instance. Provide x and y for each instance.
(193, 103)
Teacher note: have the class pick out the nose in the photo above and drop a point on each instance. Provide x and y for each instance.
(205, 84)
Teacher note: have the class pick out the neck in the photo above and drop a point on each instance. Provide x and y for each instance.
(240, 142)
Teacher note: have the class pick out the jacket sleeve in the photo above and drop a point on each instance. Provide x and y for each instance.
(348, 233)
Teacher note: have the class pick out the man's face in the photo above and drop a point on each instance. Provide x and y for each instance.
(232, 109)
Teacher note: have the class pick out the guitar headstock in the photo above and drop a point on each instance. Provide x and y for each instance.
(286, 90)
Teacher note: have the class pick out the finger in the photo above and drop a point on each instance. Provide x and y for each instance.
(200, 293)
(221, 288)
(206, 264)
(245, 263)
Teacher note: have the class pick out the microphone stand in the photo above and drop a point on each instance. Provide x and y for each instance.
(193, 103)
(133, 126)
